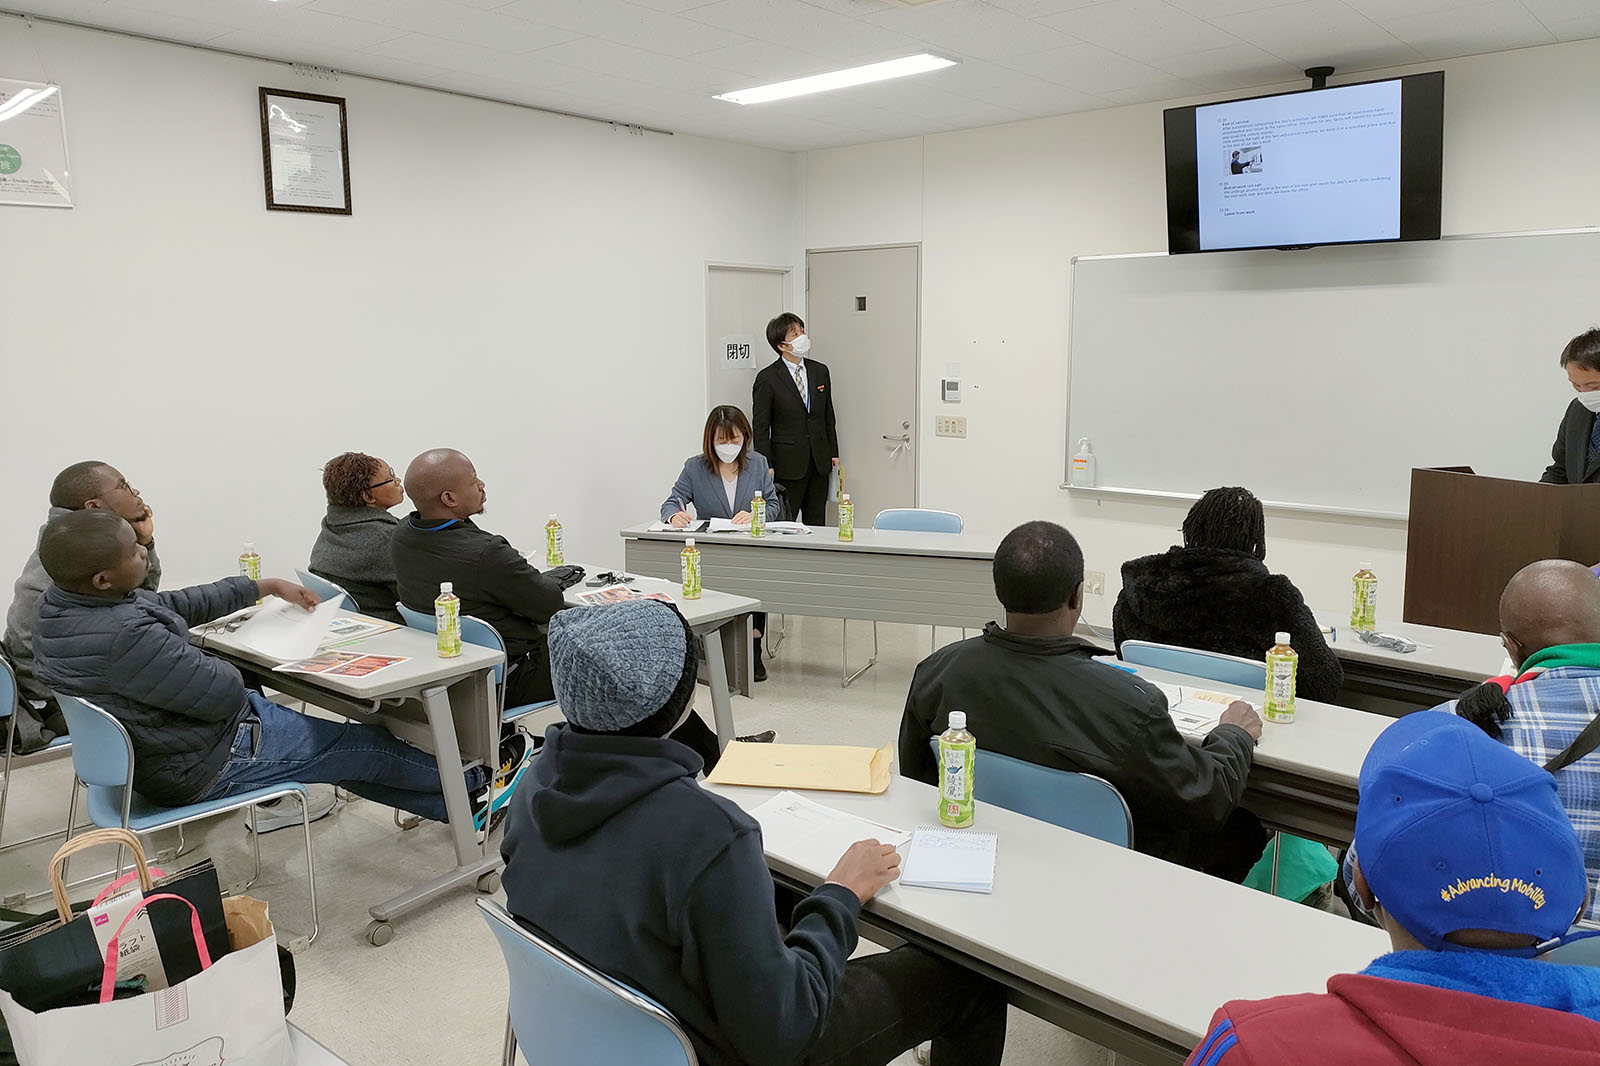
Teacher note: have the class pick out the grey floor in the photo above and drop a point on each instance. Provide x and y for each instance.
(437, 992)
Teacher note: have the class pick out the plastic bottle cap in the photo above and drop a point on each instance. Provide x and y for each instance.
(552, 516)
(758, 495)
(1363, 566)
(445, 588)
(844, 497)
(689, 543)
(958, 719)
(1282, 638)
(249, 545)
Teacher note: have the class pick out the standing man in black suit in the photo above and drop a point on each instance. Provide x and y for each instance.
(1575, 458)
(793, 420)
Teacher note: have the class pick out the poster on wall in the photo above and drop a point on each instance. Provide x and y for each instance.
(305, 152)
(33, 145)
(738, 351)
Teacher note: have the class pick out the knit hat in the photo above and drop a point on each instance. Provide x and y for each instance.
(1456, 831)
(616, 665)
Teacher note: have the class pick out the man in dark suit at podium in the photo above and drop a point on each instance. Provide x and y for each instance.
(792, 416)
(1575, 458)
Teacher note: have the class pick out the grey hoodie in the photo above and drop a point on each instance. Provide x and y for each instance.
(22, 618)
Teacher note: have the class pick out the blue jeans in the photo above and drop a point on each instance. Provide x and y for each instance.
(274, 744)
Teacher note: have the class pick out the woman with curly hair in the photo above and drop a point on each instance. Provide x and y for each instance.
(352, 550)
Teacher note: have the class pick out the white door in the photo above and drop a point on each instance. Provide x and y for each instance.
(862, 315)
(740, 301)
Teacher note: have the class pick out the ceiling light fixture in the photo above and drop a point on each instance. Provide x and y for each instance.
(839, 79)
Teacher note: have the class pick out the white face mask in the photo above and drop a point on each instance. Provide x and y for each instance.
(1591, 400)
(801, 344)
(729, 452)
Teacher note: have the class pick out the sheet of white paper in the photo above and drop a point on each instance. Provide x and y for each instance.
(949, 858)
(284, 631)
(1195, 710)
(788, 527)
(813, 835)
(668, 527)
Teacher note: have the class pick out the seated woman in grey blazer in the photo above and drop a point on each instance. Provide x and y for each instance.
(721, 482)
(724, 478)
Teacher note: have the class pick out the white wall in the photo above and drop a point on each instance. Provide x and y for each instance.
(526, 287)
(1001, 211)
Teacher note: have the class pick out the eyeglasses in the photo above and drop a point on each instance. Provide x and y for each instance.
(381, 484)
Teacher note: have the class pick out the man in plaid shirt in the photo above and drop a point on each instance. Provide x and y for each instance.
(1550, 626)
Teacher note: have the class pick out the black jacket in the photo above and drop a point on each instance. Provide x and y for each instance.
(495, 583)
(793, 439)
(614, 851)
(1045, 700)
(1227, 602)
(133, 658)
(353, 552)
(1569, 456)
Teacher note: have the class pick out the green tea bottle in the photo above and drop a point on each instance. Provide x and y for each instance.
(250, 562)
(1364, 599)
(847, 517)
(447, 621)
(958, 751)
(553, 555)
(691, 570)
(758, 516)
(1282, 664)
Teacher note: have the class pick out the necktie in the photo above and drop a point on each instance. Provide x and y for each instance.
(1594, 442)
(795, 368)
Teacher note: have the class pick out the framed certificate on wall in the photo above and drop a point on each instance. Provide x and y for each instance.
(305, 152)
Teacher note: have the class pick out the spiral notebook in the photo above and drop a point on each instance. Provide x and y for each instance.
(956, 859)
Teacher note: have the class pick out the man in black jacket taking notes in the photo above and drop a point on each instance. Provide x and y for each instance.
(615, 851)
(1032, 690)
(792, 416)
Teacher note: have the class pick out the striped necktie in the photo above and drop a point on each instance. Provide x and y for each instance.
(795, 369)
(1594, 442)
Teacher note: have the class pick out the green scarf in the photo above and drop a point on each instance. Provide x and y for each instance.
(1560, 655)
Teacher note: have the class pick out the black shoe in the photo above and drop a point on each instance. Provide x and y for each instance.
(758, 738)
(761, 667)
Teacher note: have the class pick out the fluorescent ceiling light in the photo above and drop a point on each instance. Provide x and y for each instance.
(839, 79)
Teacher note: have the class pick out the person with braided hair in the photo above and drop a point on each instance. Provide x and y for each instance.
(352, 550)
(1215, 593)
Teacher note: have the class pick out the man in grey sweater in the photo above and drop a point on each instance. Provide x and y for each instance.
(90, 485)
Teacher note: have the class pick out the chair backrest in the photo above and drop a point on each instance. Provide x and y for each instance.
(1211, 665)
(566, 1013)
(1585, 952)
(1082, 803)
(325, 589)
(416, 619)
(918, 520)
(102, 753)
(8, 688)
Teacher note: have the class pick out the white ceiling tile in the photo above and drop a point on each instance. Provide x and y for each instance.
(453, 22)
(271, 46)
(295, 23)
(1173, 89)
(852, 8)
(1210, 9)
(1577, 29)
(618, 60)
(976, 32)
(1146, 30)
(1088, 68)
(625, 23)
(1040, 98)
(1384, 10)
(1562, 10)
(529, 71)
(1315, 32)
(1235, 67)
(153, 24)
(672, 7)
(807, 28)
(762, 62)
(1482, 27)
(1032, 9)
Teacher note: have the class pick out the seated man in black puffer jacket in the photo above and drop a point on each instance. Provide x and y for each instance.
(198, 733)
(1216, 594)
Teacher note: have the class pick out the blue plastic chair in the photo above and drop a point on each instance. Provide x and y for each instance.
(1211, 665)
(1585, 952)
(325, 589)
(570, 1014)
(102, 757)
(14, 761)
(476, 631)
(909, 520)
(1080, 802)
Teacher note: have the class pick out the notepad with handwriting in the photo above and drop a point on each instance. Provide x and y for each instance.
(957, 859)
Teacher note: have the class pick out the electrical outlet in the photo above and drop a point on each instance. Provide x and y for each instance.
(1094, 582)
(950, 426)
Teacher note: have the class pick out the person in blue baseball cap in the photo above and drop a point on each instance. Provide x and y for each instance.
(615, 851)
(1465, 856)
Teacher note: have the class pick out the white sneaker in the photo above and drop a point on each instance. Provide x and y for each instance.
(284, 812)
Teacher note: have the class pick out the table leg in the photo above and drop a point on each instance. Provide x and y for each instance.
(721, 701)
(473, 859)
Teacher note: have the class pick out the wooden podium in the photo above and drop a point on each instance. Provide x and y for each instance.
(1468, 535)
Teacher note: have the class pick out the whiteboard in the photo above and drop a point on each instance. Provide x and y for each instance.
(1319, 378)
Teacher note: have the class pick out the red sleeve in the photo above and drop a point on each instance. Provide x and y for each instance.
(1221, 1045)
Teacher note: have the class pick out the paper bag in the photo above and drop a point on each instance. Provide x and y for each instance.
(230, 1014)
